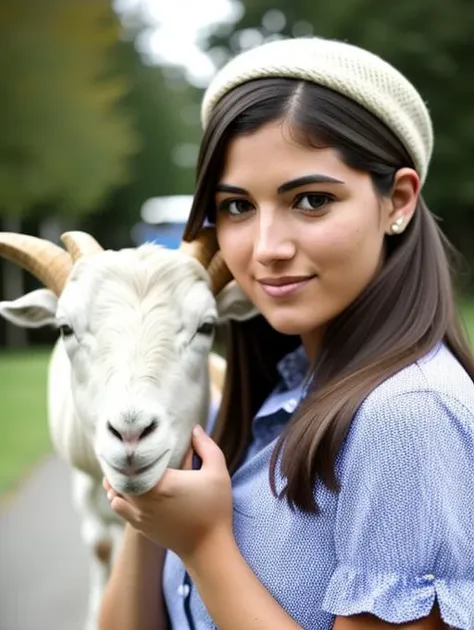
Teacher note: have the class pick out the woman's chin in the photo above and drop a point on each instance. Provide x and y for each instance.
(287, 326)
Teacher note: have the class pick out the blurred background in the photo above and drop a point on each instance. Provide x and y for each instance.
(99, 114)
(99, 111)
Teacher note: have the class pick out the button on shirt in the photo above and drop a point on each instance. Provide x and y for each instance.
(398, 535)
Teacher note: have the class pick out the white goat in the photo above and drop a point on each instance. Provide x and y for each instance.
(129, 376)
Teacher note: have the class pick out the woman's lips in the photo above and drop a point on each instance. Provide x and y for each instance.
(280, 287)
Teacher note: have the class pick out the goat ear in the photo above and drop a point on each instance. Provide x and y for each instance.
(232, 303)
(32, 310)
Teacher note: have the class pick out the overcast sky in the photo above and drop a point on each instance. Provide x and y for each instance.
(175, 28)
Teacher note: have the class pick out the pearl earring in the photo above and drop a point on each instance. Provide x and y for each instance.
(397, 226)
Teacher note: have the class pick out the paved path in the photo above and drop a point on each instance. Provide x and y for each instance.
(43, 568)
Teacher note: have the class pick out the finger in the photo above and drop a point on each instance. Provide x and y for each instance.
(207, 449)
(108, 488)
(125, 510)
(188, 460)
(111, 494)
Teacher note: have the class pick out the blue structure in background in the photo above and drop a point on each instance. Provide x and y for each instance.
(167, 234)
(163, 221)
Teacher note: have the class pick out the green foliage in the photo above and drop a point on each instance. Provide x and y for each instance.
(156, 106)
(90, 131)
(23, 420)
(64, 138)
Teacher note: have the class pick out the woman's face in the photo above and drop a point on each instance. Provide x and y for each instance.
(301, 232)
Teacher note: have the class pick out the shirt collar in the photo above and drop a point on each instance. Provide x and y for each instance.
(294, 367)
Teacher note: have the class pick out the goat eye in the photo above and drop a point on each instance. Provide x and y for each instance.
(206, 328)
(65, 330)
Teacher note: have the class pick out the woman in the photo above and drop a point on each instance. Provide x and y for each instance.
(341, 494)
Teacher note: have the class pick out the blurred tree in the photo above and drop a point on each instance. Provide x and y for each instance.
(430, 41)
(160, 104)
(64, 138)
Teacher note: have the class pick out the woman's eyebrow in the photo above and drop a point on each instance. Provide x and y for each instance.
(308, 179)
(294, 183)
(227, 188)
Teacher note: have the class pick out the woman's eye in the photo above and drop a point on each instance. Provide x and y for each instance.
(313, 201)
(236, 207)
(65, 330)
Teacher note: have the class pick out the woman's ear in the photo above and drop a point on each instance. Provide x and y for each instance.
(402, 201)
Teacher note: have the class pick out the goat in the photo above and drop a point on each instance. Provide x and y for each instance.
(129, 375)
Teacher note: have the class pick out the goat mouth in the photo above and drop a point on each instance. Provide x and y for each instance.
(135, 472)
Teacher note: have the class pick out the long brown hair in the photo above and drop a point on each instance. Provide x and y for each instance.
(399, 317)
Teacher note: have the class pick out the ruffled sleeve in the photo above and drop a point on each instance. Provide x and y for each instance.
(405, 514)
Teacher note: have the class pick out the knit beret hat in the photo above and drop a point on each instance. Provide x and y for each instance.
(352, 71)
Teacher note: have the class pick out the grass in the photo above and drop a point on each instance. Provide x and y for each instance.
(23, 422)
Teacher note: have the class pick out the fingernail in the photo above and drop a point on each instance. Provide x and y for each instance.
(110, 495)
(198, 430)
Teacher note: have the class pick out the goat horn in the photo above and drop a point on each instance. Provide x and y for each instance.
(44, 260)
(204, 248)
(80, 244)
(219, 273)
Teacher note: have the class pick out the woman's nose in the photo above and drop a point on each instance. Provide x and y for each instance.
(273, 242)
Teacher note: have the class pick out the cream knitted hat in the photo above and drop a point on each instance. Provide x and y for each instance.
(349, 70)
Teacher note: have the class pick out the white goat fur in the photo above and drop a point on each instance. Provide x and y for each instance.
(134, 360)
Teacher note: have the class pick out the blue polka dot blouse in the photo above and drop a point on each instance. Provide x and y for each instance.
(400, 533)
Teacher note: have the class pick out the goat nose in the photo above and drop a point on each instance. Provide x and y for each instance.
(133, 435)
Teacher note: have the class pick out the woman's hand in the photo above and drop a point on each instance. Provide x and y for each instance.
(187, 509)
